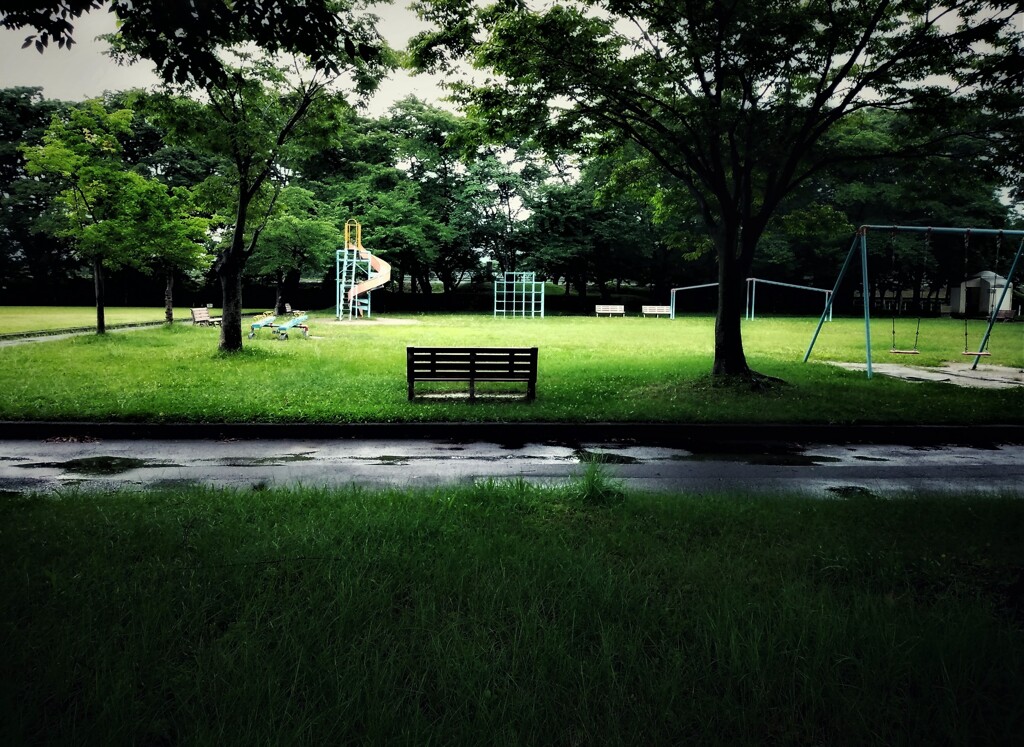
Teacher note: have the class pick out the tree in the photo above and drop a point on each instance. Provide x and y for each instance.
(301, 236)
(27, 255)
(432, 145)
(732, 99)
(259, 120)
(360, 178)
(252, 124)
(182, 39)
(114, 216)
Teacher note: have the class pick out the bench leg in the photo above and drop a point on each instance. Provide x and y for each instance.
(412, 387)
(472, 390)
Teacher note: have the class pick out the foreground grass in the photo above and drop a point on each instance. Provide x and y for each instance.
(509, 614)
(590, 370)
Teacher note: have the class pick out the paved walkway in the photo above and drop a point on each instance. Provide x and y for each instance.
(818, 470)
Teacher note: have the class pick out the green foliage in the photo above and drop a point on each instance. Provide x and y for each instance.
(183, 40)
(113, 215)
(84, 152)
(510, 613)
(301, 235)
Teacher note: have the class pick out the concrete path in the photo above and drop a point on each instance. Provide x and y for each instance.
(821, 471)
(960, 374)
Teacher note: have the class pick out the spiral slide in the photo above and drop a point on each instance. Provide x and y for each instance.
(380, 273)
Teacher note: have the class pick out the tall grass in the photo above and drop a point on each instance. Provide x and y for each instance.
(507, 613)
(590, 370)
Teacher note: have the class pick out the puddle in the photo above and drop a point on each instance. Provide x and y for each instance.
(267, 461)
(603, 457)
(781, 459)
(870, 459)
(850, 491)
(392, 461)
(99, 466)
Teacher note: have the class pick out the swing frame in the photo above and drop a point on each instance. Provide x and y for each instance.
(860, 246)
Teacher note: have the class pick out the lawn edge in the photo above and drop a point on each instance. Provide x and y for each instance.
(693, 435)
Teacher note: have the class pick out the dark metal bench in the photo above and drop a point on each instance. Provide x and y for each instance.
(472, 365)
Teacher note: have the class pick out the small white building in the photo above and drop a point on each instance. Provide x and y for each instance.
(979, 294)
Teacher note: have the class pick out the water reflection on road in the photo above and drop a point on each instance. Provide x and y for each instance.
(817, 470)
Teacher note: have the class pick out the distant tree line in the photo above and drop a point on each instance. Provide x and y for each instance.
(447, 210)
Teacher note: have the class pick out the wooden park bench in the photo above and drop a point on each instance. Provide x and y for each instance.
(201, 317)
(295, 321)
(610, 309)
(472, 365)
(656, 310)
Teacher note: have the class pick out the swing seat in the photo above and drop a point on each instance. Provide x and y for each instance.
(976, 353)
(894, 351)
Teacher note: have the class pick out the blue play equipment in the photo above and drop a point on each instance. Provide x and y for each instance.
(296, 321)
(860, 245)
(264, 320)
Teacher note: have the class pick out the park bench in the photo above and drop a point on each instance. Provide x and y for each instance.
(261, 321)
(201, 317)
(295, 321)
(656, 310)
(472, 365)
(610, 309)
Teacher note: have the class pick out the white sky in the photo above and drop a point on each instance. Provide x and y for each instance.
(85, 71)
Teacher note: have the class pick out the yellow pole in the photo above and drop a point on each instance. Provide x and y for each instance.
(349, 226)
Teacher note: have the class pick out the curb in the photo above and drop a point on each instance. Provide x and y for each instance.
(694, 436)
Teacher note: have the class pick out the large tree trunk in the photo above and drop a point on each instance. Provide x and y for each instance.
(169, 297)
(97, 282)
(279, 293)
(423, 280)
(231, 315)
(229, 266)
(730, 359)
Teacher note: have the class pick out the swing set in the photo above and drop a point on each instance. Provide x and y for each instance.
(860, 245)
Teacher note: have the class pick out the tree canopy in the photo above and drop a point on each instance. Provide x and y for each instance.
(733, 100)
(114, 215)
(182, 39)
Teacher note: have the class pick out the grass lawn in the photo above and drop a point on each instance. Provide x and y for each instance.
(23, 319)
(591, 369)
(510, 614)
(19, 319)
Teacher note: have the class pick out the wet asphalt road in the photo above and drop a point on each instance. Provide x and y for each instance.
(815, 470)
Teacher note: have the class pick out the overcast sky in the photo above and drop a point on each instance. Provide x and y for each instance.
(85, 72)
